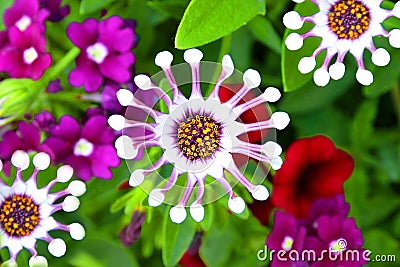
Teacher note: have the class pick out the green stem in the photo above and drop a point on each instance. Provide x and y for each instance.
(61, 65)
(225, 48)
(396, 99)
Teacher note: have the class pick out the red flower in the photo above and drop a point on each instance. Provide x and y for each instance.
(314, 168)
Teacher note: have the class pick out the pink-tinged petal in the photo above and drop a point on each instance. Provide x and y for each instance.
(83, 34)
(68, 129)
(18, 9)
(38, 67)
(9, 58)
(10, 143)
(41, 16)
(117, 67)
(85, 74)
(30, 134)
(97, 131)
(60, 148)
(103, 158)
(120, 40)
(31, 37)
(81, 166)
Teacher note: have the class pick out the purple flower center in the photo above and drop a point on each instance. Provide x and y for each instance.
(83, 148)
(30, 55)
(287, 243)
(198, 137)
(97, 52)
(19, 215)
(23, 23)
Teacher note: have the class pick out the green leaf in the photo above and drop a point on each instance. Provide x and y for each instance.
(176, 239)
(199, 26)
(263, 30)
(363, 124)
(382, 243)
(90, 6)
(384, 77)
(172, 8)
(292, 79)
(4, 4)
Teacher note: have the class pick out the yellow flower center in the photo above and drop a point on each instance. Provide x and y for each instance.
(19, 215)
(198, 137)
(349, 19)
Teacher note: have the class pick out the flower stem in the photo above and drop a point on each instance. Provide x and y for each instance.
(62, 64)
(396, 100)
(225, 48)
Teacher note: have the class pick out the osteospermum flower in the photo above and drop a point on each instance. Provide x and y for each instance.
(26, 210)
(344, 26)
(198, 136)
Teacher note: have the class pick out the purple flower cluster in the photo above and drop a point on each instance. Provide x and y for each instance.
(23, 45)
(88, 149)
(105, 52)
(327, 238)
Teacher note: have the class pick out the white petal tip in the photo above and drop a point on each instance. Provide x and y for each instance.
(272, 149)
(380, 57)
(396, 10)
(321, 77)
(237, 205)
(125, 149)
(64, 173)
(306, 64)
(70, 204)
(337, 70)
(394, 38)
(137, 178)
(271, 94)
(156, 198)
(364, 77)
(292, 20)
(260, 193)
(9, 263)
(177, 214)
(117, 122)
(227, 65)
(57, 247)
(20, 159)
(77, 188)
(1, 165)
(76, 231)
(298, 1)
(280, 120)
(252, 78)
(197, 212)
(143, 81)
(192, 55)
(276, 163)
(164, 59)
(294, 41)
(41, 161)
(124, 97)
(38, 261)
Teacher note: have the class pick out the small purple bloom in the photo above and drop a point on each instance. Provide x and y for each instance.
(24, 13)
(105, 52)
(335, 206)
(57, 12)
(44, 121)
(130, 233)
(89, 150)
(109, 101)
(54, 86)
(25, 56)
(286, 235)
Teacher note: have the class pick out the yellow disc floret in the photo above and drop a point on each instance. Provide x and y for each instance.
(348, 19)
(198, 137)
(19, 215)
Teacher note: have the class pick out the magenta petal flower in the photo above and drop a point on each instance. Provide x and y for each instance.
(105, 52)
(335, 206)
(57, 12)
(24, 13)
(89, 150)
(25, 56)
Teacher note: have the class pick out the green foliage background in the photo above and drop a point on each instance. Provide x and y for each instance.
(362, 120)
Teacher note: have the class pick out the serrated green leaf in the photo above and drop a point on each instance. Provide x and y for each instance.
(263, 30)
(199, 26)
(292, 79)
(176, 239)
(90, 6)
